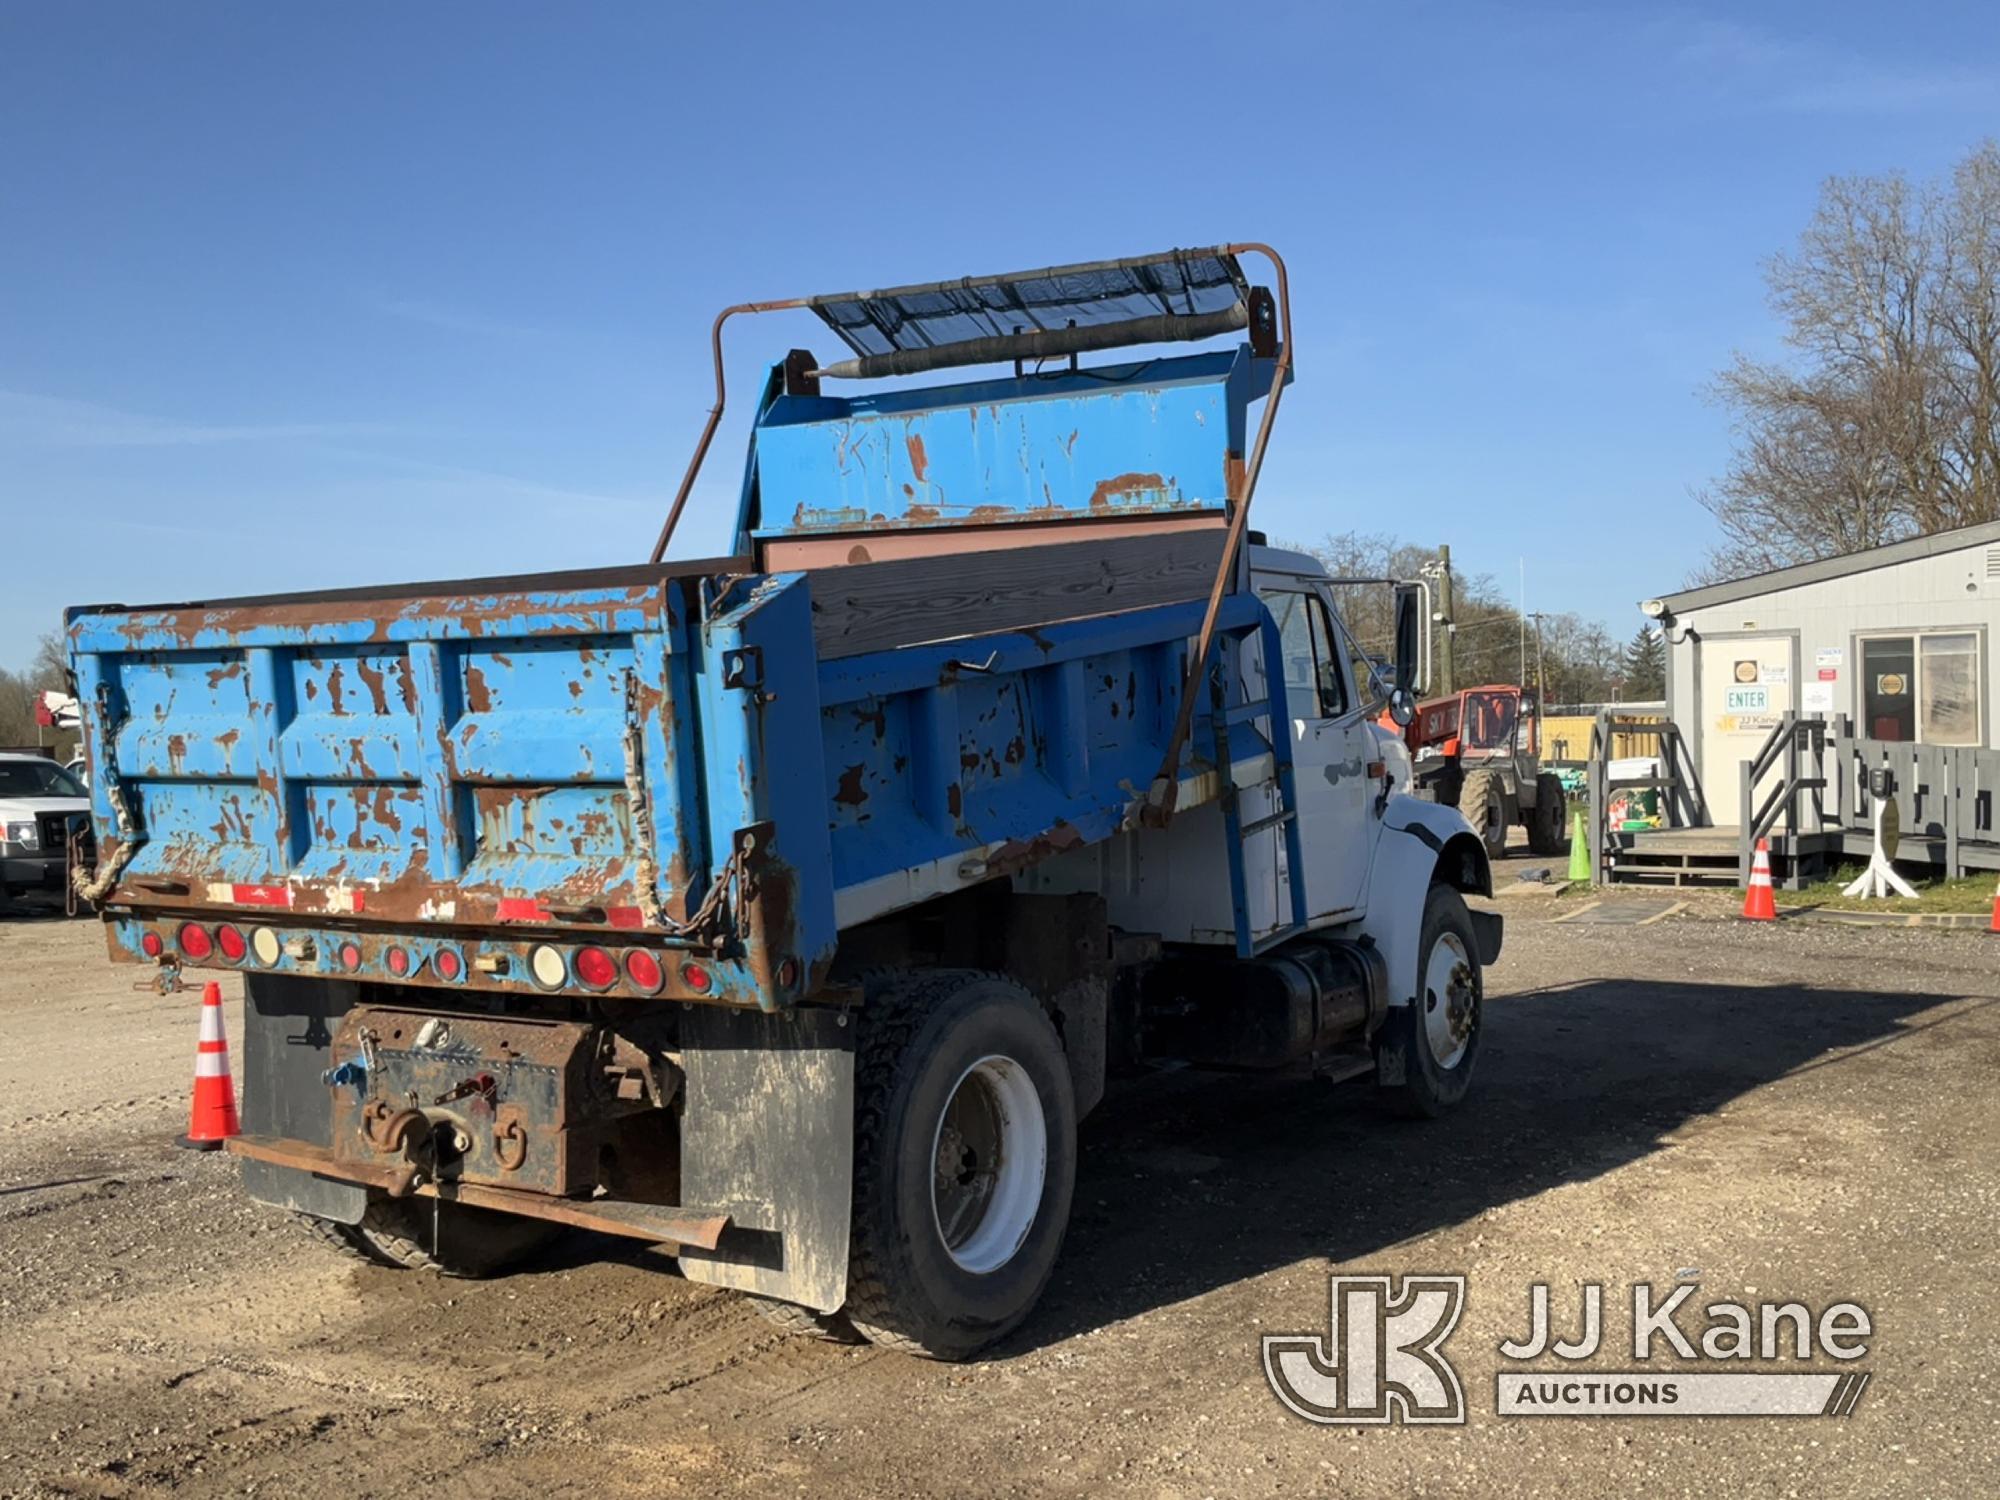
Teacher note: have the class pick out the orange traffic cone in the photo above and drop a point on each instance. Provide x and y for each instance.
(212, 1120)
(1758, 903)
(1994, 925)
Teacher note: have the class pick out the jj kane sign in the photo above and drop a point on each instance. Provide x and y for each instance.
(1382, 1358)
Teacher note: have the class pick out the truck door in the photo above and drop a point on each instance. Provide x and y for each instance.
(1331, 749)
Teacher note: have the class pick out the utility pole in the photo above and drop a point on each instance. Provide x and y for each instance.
(1446, 619)
(1541, 668)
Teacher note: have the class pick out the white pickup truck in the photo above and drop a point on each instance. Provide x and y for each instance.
(38, 800)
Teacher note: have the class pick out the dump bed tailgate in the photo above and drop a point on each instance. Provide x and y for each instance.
(467, 757)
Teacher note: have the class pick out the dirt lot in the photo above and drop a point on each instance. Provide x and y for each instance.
(1800, 1112)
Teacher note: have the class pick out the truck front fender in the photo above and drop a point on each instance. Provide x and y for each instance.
(1422, 843)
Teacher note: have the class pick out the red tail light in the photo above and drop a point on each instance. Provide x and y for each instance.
(697, 977)
(230, 941)
(398, 960)
(644, 970)
(447, 963)
(350, 955)
(152, 944)
(596, 969)
(195, 941)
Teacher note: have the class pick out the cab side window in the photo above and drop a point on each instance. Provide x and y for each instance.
(1314, 686)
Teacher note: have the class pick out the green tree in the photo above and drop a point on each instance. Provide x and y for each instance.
(1646, 666)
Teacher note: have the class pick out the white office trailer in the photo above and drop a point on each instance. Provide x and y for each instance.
(1893, 648)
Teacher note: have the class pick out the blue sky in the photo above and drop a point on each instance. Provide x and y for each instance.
(301, 297)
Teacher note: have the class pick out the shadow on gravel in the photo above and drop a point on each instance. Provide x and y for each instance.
(1196, 1181)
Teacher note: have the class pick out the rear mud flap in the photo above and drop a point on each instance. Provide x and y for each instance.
(767, 1136)
(1486, 930)
(287, 1047)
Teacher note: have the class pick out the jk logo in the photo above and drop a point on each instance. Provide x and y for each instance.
(1381, 1359)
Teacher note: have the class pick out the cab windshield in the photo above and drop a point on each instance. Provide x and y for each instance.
(1489, 720)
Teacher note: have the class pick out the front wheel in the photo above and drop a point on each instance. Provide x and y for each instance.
(964, 1162)
(1435, 1038)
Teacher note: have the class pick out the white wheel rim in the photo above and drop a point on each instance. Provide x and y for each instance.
(989, 1160)
(1449, 999)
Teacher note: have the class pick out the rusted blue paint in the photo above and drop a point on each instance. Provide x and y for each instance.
(1159, 436)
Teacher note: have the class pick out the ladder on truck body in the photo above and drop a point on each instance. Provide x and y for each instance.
(1274, 711)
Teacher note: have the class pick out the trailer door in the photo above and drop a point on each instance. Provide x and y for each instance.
(1746, 686)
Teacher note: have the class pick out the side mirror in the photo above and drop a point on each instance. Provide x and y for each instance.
(1409, 641)
(1402, 707)
(1529, 708)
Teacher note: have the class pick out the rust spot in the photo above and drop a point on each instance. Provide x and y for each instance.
(1020, 853)
(919, 461)
(922, 515)
(910, 491)
(876, 719)
(222, 674)
(177, 749)
(1017, 751)
(478, 699)
(376, 683)
(312, 689)
(1127, 489)
(954, 798)
(334, 692)
(851, 790)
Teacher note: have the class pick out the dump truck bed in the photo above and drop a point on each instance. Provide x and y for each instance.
(683, 757)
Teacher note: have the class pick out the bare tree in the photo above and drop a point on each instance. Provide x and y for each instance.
(1885, 423)
(1576, 657)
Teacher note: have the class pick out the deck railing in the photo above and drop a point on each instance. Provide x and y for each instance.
(1797, 748)
(1679, 784)
(1944, 794)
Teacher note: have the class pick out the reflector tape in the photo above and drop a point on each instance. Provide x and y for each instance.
(211, 1065)
(261, 895)
(625, 916)
(520, 909)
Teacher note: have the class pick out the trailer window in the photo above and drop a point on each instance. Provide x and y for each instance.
(1921, 687)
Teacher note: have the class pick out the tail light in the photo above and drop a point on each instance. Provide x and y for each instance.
(230, 941)
(265, 944)
(448, 964)
(697, 977)
(644, 970)
(194, 940)
(152, 944)
(350, 955)
(398, 960)
(596, 969)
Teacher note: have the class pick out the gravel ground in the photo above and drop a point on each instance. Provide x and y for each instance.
(1799, 1112)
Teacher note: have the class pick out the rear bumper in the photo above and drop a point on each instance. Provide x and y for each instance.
(641, 1221)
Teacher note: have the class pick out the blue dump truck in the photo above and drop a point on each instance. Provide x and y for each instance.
(788, 909)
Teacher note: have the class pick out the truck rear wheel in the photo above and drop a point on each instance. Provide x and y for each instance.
(1546, 833)
(964, 1162)
(1438, 1032)
(1482, 801)
(466, 1242)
